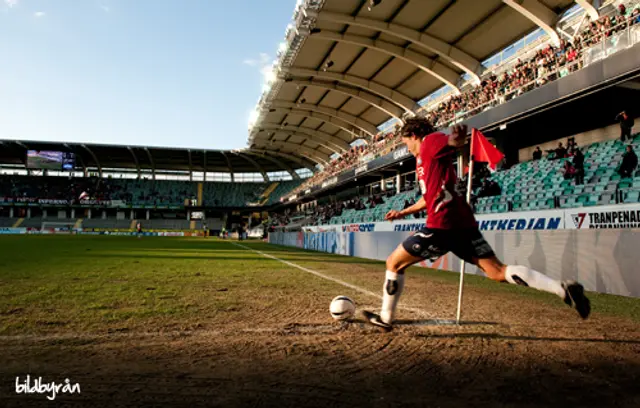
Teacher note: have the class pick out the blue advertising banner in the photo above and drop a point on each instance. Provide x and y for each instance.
(13, 230)
(340, 243)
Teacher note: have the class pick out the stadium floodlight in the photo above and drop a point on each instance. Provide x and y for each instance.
(271, 75)
(253, 118)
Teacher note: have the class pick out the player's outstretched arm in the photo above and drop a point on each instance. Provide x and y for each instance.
(417, 207)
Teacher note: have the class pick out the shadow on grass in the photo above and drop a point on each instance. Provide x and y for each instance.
(442, 322)
(142, 255)
(496, 336)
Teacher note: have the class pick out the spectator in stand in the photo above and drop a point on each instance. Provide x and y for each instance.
(578, 164)
(572, 147)
(629, 163)
(634, 18)
(494, 188)
(489, 188)
(537, 154)
(622, 10)
(560, 152)
(484, 189)
(626, 124)
(569, 170)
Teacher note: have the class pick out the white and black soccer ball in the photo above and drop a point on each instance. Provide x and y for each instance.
(342, 308)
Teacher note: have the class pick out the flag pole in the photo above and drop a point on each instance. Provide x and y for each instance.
(462, 263)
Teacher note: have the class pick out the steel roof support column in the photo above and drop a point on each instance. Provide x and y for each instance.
(539, 14)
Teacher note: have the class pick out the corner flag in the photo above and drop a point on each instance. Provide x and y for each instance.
(483, 151)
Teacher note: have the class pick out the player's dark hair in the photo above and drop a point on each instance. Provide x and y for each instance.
(416, 126)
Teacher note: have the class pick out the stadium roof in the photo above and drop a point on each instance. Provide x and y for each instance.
(348, 66)
(159, 158)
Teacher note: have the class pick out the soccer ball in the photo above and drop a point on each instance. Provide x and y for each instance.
(342, 308)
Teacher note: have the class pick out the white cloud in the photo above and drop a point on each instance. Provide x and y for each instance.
(261, 61)
(11, 3)
(264, 63)
(39, 14)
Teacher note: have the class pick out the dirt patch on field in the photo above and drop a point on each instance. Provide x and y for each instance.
(512, 350)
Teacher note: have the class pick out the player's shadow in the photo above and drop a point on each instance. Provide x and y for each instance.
(496, 336)
(431, 322)
(441, 322)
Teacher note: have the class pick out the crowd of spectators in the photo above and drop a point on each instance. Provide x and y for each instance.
(544, 65)
(381, 144)
(572, 169)
(51, 188)
(76, 189)
(322, 214)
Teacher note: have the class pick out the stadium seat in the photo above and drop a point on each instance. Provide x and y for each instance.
(631, 196)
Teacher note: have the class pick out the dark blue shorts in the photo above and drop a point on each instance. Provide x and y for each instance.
(431, 244)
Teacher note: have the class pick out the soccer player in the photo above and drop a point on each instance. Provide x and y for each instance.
(451, 227)
(139, 229)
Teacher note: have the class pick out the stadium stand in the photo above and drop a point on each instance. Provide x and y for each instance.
(527, 186)
(246, 194)
(539, 184)
(149, 192)
(138, 193)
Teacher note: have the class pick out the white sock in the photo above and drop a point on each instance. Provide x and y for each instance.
(393, 285)
(521, 275)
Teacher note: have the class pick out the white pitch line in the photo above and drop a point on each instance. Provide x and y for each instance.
(343, 283)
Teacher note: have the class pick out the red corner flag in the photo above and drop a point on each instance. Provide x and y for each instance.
(483, 151)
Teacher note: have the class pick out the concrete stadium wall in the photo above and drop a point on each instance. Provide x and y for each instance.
(602, 260)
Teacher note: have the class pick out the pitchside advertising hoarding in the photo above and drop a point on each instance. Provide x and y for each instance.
(611, 216)
(604, 217)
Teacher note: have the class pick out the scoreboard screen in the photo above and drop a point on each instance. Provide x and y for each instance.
(50, 160)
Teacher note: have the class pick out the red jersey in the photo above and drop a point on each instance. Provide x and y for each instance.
(437, 178)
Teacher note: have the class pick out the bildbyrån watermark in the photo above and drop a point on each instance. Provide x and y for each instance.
(40, 387)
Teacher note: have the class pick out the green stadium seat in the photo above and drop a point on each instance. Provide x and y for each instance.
(631, 196)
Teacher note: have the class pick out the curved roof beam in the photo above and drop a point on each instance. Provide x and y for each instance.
(364, 96)
(19, 143)
(327, 145)
(313, 155)
(278, 163)
(355, 133)
(135, 159)
(94, 159)
(153, 164)
(327, 114)
(400, 99)
(434, 45)
(304, 162)
(254, 164)
(426, 64)
(325, 137)
(539, 14)
(589, 8)
(229, 165)
(204, 165)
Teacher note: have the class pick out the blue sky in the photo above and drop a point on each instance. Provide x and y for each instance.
(141, 72)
